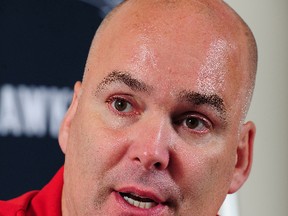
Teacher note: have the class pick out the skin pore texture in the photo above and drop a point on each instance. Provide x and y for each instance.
(157, 125)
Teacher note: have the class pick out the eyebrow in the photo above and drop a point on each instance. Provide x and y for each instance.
(127, 79)
(198, 99)
(192, 97)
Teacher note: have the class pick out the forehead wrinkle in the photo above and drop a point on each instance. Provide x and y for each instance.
(199, 99)
(126, 78)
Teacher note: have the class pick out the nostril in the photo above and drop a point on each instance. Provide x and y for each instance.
(157, 165)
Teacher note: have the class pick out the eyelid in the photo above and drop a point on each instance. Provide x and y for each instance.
(206, 121)
(125, 97)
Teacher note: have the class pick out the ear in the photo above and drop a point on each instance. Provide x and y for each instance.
(244, 156)
(66, 123)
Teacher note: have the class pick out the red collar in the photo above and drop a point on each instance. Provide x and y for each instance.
(48, 200)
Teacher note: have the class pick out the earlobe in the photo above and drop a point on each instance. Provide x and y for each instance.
(66, 122)
(244, 156)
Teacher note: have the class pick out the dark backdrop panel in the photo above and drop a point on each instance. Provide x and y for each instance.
(43, 49)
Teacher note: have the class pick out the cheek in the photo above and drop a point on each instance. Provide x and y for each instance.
(208, 172)
(95, 146)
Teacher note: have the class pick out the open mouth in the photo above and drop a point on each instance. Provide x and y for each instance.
(138, 201)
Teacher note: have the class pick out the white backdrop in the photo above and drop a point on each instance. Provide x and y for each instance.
(266, 192)
(231, 206)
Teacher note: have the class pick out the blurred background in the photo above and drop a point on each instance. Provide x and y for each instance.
(266, 192)
(43, 48)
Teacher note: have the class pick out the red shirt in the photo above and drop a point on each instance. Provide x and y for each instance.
(46, 202)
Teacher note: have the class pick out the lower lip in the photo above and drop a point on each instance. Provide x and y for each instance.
(133, 210)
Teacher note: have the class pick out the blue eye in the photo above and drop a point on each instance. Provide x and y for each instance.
(121, 105)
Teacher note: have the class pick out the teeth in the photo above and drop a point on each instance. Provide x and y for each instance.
(139, 204)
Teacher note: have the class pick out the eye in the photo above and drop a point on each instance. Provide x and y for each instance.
(195, 123)
(121, 105)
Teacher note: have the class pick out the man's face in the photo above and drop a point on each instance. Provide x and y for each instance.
(155, 127)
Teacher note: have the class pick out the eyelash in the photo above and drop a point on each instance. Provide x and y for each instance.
(111, 103)
(206, 123)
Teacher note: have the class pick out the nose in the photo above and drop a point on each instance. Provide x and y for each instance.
(151, 144)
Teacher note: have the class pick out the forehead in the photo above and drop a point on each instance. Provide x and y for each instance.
(191, 27)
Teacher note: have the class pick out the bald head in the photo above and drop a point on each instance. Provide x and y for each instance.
(208, 20)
